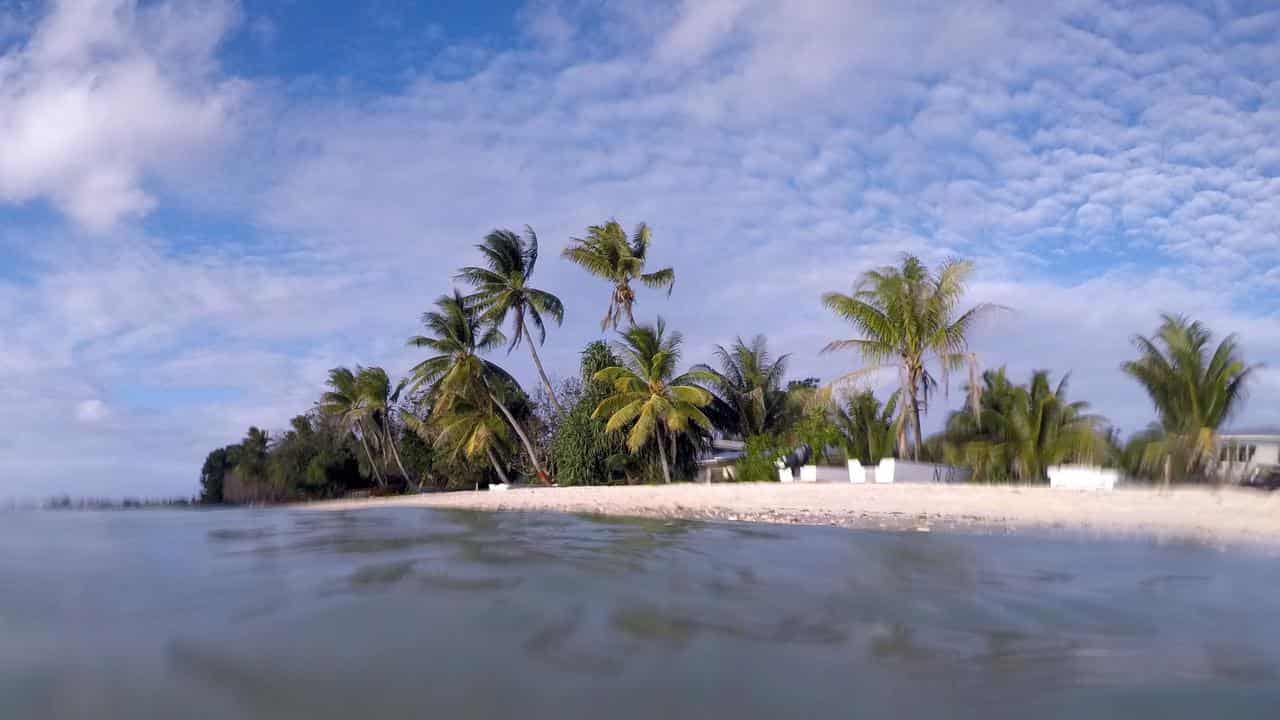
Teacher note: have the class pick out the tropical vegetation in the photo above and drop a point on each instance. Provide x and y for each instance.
(635, 413)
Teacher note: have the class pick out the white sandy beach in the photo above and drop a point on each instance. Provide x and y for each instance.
(1227, 516)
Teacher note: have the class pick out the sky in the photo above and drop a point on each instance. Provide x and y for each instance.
(205, 205)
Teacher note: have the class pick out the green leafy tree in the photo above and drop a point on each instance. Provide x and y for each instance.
(1195, 389)
(648, 396)
(747, 394)
(212, 475)
(502, 291)
(608, 253)
(378, 401)
(470, 432)
(584, 453)
(907, 319)
(868, 428)
(1020, 431)
(457, 373)
(346, 402)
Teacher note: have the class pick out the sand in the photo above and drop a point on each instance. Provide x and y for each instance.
(1218, 517)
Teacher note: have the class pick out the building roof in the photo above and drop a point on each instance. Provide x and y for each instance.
(1267, 431)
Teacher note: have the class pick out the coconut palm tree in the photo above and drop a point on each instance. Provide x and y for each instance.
(379, 399)
(345, 402)
(648, 395)
(907, 320)
(747, 394)
(1020, 431)
(502, 291)
(1195, 390)
(606, 252)
(869, 429)
(458, 373)
(469, 431)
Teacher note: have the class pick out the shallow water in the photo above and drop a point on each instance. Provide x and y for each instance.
(421, 613)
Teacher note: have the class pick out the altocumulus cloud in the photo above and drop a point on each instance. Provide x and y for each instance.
(1102, 162)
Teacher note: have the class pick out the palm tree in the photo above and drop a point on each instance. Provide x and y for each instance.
(907, 319)
(1020, 431)
(345, 402)
(379, 400)
(868, 428)
(606, 252)
(469, 431)
(748, 398)
(502, 290)
(647, 394)
(1194, 391)
(458, 374)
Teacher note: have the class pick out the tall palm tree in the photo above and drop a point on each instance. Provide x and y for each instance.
(649, 396)
(1020, 431)
(907, 319)
(502, 290)
(606, 252)
(747, 394)
(345, 402)
(1194, 389)
(379, 400)
(458, 373)
(869, 429)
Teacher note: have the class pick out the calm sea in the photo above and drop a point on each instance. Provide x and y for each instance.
(408, 613)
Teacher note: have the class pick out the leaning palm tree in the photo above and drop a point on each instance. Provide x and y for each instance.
(457, 373)
(647, 394)
(344, 402)
(747, 394)
(502, 291)
(606, 252)
(1194, 390)
(468, 431)
(1020, 431)
(379, 399)
(907, 320)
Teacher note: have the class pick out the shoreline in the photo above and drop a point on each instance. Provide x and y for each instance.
(1228, 516)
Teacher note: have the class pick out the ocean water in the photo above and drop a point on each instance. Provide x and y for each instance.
(402, 613)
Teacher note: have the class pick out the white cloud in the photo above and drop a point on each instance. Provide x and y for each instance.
(104, 93)
(92, 412)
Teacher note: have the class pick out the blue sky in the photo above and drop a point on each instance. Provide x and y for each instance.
(206, 205)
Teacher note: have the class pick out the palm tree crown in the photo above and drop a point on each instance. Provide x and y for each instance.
(457, 374)
(1020, 431)
(608, 253)
(1194, 390)
(648, 395)
(868, 427)
(748, 396)
(502, 291)
(348, 402)
(907, 319)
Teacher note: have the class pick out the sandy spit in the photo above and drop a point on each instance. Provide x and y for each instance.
(1218, 517)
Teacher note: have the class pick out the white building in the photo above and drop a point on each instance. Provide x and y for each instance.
(1249, 455)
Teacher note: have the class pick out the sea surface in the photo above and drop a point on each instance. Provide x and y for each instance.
(413, 613)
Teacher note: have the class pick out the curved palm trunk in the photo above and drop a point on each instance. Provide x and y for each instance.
(537, 361)
(395, 453)
(524, 439)
(493, 460)
(662, 453)
(373, 465)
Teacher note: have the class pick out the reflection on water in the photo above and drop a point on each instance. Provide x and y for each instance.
(414, 613)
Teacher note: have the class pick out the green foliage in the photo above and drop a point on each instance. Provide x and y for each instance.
(757, 463)
(1021, 431)
(502, 291)
(607, 253)
(212, 475)
(1194, 391)
(817, 430)
(583, 453)
(866, 428)
(906, 319)
(648, 396)
(747, 395)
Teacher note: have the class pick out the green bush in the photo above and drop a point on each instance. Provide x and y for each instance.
(757, 462)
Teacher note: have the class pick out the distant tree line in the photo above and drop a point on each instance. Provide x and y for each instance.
(635, 413)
